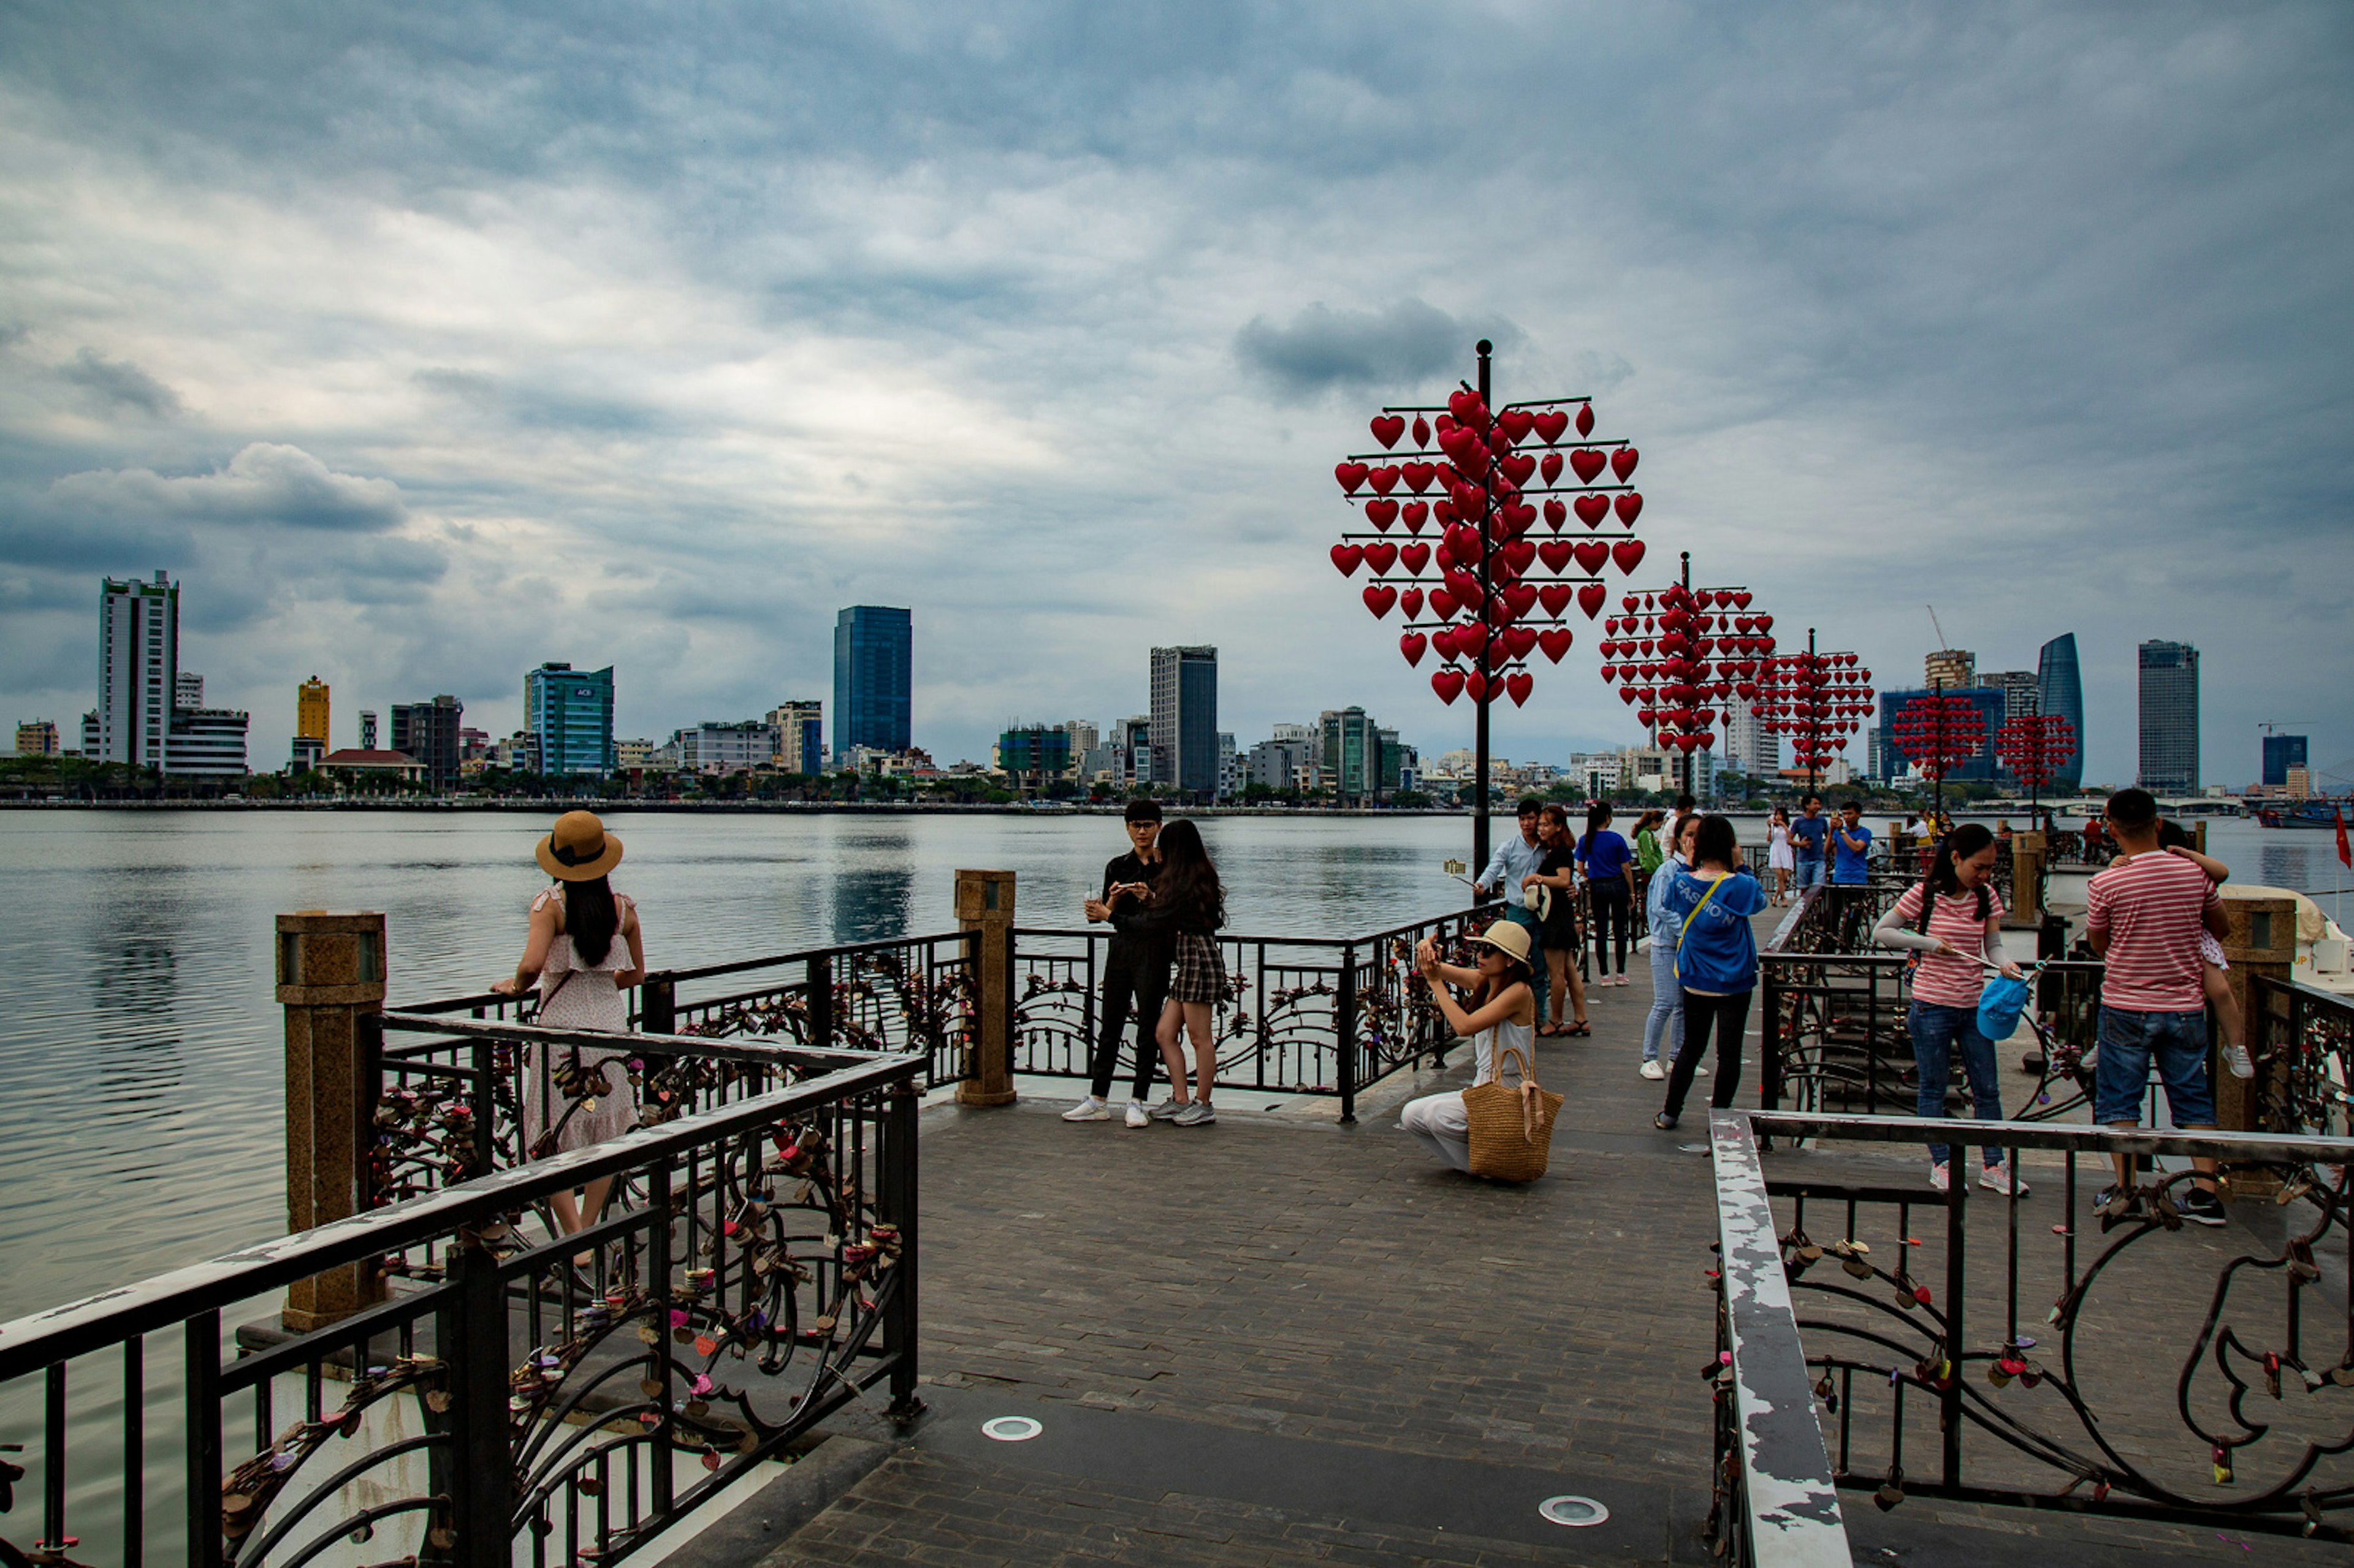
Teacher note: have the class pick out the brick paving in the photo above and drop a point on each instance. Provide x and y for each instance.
(1329, 1291)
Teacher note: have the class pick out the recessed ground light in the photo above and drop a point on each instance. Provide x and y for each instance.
(1021, 1429)
(1575, 1512)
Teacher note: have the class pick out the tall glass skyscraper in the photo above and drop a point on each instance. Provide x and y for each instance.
(569, 713)
(874, 678)
(2170, 718)
(1186, 718)
(2283, 752)
(2060, 691)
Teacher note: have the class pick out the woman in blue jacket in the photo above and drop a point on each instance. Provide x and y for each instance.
(1717, 960)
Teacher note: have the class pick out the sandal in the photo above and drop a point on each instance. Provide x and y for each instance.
(1550, 1031)
(1578, 1031)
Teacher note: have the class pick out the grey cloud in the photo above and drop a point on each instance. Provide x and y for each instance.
(264, 482)
(1321, 348)
(118, 384)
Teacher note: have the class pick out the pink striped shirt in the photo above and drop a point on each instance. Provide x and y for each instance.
(2151, 908)
(1954, 920)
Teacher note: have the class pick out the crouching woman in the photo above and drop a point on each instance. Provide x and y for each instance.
(1503, 1018)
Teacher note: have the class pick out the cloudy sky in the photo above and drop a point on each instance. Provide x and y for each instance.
(425, 342)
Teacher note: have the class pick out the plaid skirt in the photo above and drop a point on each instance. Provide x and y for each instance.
(1201, 974)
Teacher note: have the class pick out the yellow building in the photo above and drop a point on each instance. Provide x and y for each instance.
(311, 710)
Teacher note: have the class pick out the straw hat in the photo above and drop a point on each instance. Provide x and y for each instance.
(579, 849)
(1508, 937)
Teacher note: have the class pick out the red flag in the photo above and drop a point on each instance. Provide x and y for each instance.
(2344, 851)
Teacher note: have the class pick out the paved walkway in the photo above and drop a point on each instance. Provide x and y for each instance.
(1281, 1340)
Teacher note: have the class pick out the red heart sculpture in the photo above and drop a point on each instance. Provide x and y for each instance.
(1550, 467)
(1517, 423)
(1351, 475)
(1456, 440)
(1418, 475)
(1765, 623)
(1346, 557)
(1627, 553)
(1477, 684)
(1628, 506)
(1585, 420)
(1411, 645)
(1555, 641)
(1556, 554)
(1520, 598)
(1556, 598)
(1520, 517)
(1518, 466)
(1590, 597)
(1384, 480)
(1416, 514)
(1519, 640)
(1380, 513)
(1421, 432)
(1520, 683)
(1708, 741)
(1448, 684)
(1742, 598)
(1460, 404)
(1379, 598)
(1590, 554)
(1470, 637)
(1629, 696)
(1415, 558)
(1585, 463)
(1592, 509)
(1388, 428)
(1443, 604)
(1520, 553)
(1555, 514)
(1551, 424)
(1623, 461)
(1380, 556)
(1442, 512)
(1412, 597)
(1463, 585)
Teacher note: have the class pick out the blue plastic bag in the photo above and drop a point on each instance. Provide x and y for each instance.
(2000, 1003)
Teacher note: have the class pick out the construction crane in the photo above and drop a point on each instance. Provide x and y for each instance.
(1942, 644)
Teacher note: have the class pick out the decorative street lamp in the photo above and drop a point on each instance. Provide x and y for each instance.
(1817, 700)
(2033, 746)
(1679, 655)
(1466, 589)
(1939, 733)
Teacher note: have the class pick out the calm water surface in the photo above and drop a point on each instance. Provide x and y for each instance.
(140, 1050)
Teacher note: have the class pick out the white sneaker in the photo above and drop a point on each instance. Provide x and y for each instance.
(1136, 1114)
(2236, 1058)
(1088, 1109)
(1999, 1179)
(1654, 1069)
(1940, 1176)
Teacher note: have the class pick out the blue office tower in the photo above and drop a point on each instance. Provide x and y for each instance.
(568, 711)
(2060, 691)
(1980, 767)
(874, 678)
(2283, 752)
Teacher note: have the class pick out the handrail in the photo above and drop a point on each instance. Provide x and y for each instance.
(1359, 941)
(2254, 1147)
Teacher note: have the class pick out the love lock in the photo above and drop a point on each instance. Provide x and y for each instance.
(1828, 1393)
(2272, 1373)
(1892, 1490)
(2223, 1457)
(2009, 1364)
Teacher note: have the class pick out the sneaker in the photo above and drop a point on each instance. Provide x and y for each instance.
(2200, 1207)
(1167, 1110)
(1136, 1114)
(2002, 1178)
(1088, 1109)
(1654, 1068)
(2236, 1058)
(1198, 1114)
(1940, 1176)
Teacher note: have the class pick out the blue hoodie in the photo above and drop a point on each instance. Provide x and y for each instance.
(1718, 952)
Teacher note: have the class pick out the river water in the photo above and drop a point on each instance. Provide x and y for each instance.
(140, 1105)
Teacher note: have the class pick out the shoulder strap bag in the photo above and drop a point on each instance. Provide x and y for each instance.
(1510, 1126)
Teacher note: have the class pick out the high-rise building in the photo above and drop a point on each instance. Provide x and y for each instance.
(1186, 718)
(1085, 736)
(2019, 692)
(2059, 694)
(874, 678)
(37, 737)
(1352, 752)
(138, 669)
(1750, 747)
(1398, 762)
(89, 733)
(2170, 718)
(310, 711)
(1135, 744)
(367, 730)
(1230, 776)
(711, 748)
(1033, 754)
(2282, 752)
(1277, 764)
(570, 713)
(801, 735)
(1980, 764)
(427, 733)
(206, 743)
(1950, 667)
(187, 690)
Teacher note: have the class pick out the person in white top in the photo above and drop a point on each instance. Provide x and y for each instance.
(1778, 858)
(1503, 1017)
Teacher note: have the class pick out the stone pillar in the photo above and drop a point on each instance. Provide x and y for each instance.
(984, 905)
(2263, 942)
(331, 983)
(2027, 862)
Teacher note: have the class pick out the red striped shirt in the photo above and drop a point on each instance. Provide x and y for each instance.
(1954, 920)
(2151, 906)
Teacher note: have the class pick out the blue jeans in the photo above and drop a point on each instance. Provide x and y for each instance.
(2121, 1071)
(1938, 1033)
(1810, 873)
(1667, 1016)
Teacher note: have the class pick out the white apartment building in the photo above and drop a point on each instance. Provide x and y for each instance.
(138, 669)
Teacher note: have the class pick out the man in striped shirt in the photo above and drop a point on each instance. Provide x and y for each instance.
(2143, 919)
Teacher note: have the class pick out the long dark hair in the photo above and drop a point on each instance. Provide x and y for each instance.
(1188, 885)
(1597, 817)
(1714, 841)
(1964, 841)
(590, 919)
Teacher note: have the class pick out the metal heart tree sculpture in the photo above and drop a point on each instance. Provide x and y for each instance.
(1681, 656)
(2033, 746)
(1815, 698)
(1469, 586)
(1937, 734)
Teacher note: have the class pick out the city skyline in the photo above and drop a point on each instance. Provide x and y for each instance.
(1878, 345)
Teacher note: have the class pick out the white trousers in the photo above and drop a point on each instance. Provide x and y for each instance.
(1442, 1124)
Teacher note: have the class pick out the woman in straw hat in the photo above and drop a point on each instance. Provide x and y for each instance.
(1504, 1018)
(585, 950)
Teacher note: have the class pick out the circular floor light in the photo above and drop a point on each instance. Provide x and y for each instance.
(1013, 1429)
(1575, 1512)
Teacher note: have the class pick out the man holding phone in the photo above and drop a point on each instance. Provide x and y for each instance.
(1136, 969)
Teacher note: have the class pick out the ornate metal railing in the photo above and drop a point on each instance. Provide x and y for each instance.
(2304, 1047)
(1936, 1369)
(570, 1396)
(1302, 1015)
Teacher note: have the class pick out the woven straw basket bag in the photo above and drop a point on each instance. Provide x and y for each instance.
(1512, 1128)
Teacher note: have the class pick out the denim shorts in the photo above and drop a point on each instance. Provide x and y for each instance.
(1811, 871)
(2121, 1071)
